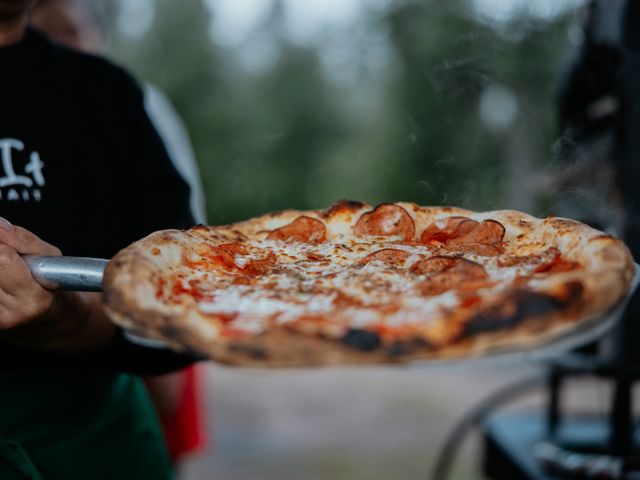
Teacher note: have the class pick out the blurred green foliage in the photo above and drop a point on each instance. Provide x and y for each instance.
(292, 135)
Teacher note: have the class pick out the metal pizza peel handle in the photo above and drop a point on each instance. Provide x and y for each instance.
(67, 273)
(80, 274)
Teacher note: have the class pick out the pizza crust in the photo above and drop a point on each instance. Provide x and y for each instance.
(131, 280)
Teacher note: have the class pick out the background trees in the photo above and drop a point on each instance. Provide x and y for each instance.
(434, 102)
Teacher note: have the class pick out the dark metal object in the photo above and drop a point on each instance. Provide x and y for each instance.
(509, 451)
(515, 449)
(509, 442)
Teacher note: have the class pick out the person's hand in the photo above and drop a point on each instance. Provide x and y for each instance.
(33, 317)
(22, 300)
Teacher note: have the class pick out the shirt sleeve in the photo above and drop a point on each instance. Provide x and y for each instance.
(158, 196)
(173, 133)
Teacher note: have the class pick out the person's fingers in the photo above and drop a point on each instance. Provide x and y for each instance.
(21, 298)
(23, 241)
(15, 276)
(32, 244)
(5, 224)
(15, 311)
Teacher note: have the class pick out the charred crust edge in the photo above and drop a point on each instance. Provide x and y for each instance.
(521, 306)
(252, 351)
(401, 348)
(363, 340)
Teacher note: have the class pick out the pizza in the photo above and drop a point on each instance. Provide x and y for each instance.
(354, 284)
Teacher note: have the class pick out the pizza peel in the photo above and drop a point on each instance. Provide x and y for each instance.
(86, 274)
(80, 274)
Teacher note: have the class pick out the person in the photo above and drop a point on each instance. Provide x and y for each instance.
(177, 396)
(78, 24)
(81, 167)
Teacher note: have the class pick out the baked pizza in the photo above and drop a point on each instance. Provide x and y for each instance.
(357, 284)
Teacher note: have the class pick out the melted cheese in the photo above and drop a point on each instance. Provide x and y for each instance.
(332, 282)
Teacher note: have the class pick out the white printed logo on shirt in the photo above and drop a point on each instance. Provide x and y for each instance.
(21, 172)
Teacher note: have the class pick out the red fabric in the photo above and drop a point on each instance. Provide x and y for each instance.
(185, 429)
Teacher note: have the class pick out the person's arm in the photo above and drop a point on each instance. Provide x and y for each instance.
(173, 133)
(157, 198)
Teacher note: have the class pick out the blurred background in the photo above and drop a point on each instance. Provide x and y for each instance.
(295, 103)
(298, 103)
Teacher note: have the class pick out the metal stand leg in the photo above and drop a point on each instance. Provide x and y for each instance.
(621, 417)
(554, 384)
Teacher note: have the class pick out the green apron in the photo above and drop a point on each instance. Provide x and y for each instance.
(66, 423)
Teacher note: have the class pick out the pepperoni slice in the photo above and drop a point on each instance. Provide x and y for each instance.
(437, 284)
(224, 254)
(440, 264)
(470, 270)
(450, 273)
(440, 232)
(434, 265)
(391, 256)
(303, 229)
(489, 232)
(464, 235)
(386, 220)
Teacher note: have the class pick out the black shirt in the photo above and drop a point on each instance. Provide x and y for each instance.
(80, 163)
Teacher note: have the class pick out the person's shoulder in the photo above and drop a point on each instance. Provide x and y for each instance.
(86, 69)
(98, 71)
